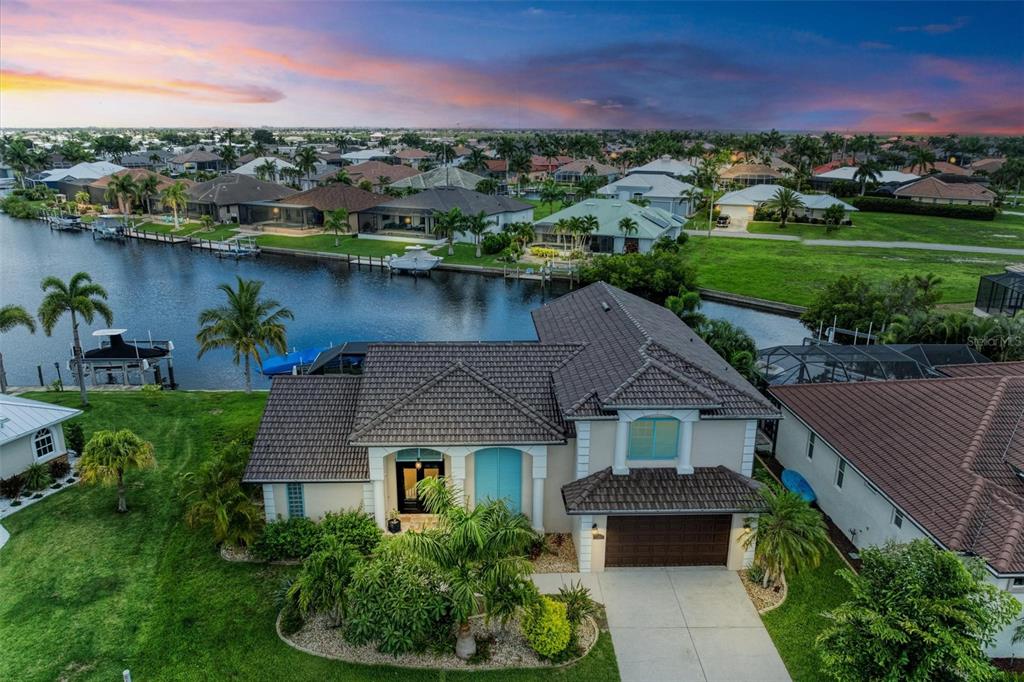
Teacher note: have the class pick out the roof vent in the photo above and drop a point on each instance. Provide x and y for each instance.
(605, 307)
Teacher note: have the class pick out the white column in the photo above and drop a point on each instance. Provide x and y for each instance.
(621, 446)
(749, 441)
(583, 551)
(269, 507)
(376, 462)
(379, 514)
(540, 472)
(582, 449)
(683, 465)
(458, 473)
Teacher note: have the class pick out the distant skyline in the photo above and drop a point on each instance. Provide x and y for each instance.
(895, 67)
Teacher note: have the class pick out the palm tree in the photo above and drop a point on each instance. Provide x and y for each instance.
(207, 222)
(248, 325)
(109, 454)
(522, 233)
(447, 225)
(175, 198)
(148, 187)
(228, 154)
(476, 161)
(868, 170)
(82, 198)
(505, 147)
(789, 536)
(477, 225)
(550, 193)
(267, 170)
(586, 225)
(19, 155)
(320, 587)
(81, 297)
(336, 221)
(12, 316)
(123, 189)
(383, 181)
(521, 164)
(922, 159)
(340, 178)
(784, 202)
(627, 226)
(487, 186)
(306, 160)
(258, 149)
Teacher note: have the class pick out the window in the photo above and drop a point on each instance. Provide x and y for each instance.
(840, 473)
(296, 502)
(653, 438)
(897, 518)
(42, 442)
(810, 447)
(1017, 584)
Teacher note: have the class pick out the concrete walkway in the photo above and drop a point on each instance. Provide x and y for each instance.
(4, 536)
(680, 624)
(857, 243)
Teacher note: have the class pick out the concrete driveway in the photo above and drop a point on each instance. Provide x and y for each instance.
(680, 624)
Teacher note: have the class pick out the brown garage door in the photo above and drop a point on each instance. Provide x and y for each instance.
(668, 540)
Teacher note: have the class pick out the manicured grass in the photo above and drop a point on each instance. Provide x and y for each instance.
(792, 273)
(325, 243)
(184, 229)
(87, 593)
(543, 210)
(1005, 230)
(795, 625)
(465, 254)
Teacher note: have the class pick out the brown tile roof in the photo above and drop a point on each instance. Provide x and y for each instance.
(984, 369)
(196, 156)
(988, 165)
(640, 353)
(444, 199)
(660, 490)
(940, 167)
(334, 196)
(933, 188)
(371, 170)
(233, 188)
(946, 451)
(413, 154)
(303, 435)
(580, 165)
(137, 175)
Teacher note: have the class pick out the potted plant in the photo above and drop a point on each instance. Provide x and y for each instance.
(394, 521)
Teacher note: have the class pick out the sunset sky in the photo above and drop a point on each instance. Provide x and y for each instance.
(914, 67)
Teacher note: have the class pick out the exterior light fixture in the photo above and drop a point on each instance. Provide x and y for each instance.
(596, 533)
(419, 464)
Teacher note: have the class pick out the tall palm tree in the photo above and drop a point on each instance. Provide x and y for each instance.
(124, 189)
(922, 159)
(19, 155)
(477, 225)
(80, 297)
(12, 316)
(228, 154)
(521, 164)
(175, 198)
(267, 170)
(627, 226)
(258, 149)
(109, 454)
(336, 221)
(789, 536)
(248, 325)
(867, 171)
(447, 225)
(476, 161)
(148, 188)
(550, 193)
(340, 178)
(306, 160)
(487, 186)
(505, 147)
(784, 202)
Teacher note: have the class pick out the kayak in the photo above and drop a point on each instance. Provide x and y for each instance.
(798, 484)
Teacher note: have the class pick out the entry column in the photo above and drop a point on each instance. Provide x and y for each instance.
(540, 472)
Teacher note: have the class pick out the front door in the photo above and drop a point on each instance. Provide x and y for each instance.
(409, 474)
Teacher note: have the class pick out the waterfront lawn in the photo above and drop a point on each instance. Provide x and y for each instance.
(465, 254)
(1005, 231)
(185, 229)
(541, 210)
(88, 592)
(324, 243)
(791, 272)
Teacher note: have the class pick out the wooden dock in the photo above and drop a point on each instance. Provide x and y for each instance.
(161, 237)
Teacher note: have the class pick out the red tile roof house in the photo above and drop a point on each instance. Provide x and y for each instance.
(620, 426)
(931, 190)
(931, 458)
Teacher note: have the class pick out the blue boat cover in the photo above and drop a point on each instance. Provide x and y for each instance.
(798, 484)
(283, 364)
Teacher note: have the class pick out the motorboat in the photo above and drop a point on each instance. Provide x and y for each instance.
(415, 259)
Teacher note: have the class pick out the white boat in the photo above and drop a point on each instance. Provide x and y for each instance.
(415, 259)
(108, 227)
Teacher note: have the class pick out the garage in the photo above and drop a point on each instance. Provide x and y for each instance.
(686, 540)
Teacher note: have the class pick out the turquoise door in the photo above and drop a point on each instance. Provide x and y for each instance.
(499, 476)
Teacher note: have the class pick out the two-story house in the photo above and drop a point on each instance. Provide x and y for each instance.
(620, 426)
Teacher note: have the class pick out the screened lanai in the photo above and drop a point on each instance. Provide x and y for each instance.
(1001, 294)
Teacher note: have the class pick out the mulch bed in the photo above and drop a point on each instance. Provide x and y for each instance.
(562, 559)
(764, 599)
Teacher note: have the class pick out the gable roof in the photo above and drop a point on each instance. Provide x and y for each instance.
(667, 165)
(196, 156)
(942, 167)
(334, 196)
(655, 185)
(445, 176)
(580, 166)
(22, 417)
(87, 170)
(988, 165)
(946, 451)
(139, 174)
(249, 167)
(412, 154)
(984, 369)
(651, 222)
(745, 170)
(886, 176)
(233, 188)
(371, 170)
(933, 188)
(446, 198)
(755, 195)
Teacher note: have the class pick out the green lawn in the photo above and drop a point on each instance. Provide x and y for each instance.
(186, 229)
(542, 210)
(465, 254)
(87, 593)
(325, 243)
(792, 273)
(1005, 230)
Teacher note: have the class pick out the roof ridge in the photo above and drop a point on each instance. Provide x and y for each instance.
(423, 385)
(513, 398)
(983, 426)
(959, 533)
(613, 291)
(650, 363)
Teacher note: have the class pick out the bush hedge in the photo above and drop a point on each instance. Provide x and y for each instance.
(354, 528)
(546, 627)
(495, 243)
(298, 537)
(885, 205)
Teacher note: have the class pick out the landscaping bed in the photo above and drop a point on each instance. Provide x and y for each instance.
(559, 557)
(764, 598)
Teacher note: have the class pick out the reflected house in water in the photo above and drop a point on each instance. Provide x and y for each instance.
(307, 210)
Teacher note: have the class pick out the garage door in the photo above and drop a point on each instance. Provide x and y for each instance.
(668, 540)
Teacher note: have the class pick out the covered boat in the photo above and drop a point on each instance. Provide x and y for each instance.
(116, 361)
(415, 259)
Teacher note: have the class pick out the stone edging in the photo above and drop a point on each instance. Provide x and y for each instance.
(550, 666)
(249, 560)
(785, 594)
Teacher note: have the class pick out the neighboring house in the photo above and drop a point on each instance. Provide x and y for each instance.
(931, 190)
(886, 177)
(87, 170)
(361, 155)
(751, 174)
(223, 196)
(1001, 294)
(414, 157)
(621, 426)
(98, 188)
(652, 224)
(988, 166)
(250, 167)
(941, 459)
(447, 176)
(574, 170)
(30, 433)
(940, 167)
(663, 191)
(372, 171)
(541, 167)
(412, 217)
(143, 160)
(741, 204)
(307, 209)
(666, 165)
(197, 160)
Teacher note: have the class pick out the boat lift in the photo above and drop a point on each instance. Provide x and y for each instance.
(115, 361)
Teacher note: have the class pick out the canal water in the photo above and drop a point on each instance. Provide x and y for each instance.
(159, 289)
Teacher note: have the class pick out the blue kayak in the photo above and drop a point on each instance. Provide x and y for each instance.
(798, 484)
(284, 364)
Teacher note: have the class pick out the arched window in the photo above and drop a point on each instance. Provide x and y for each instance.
(42, 442)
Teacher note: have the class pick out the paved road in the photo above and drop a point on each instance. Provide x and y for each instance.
(680, 624)
(856, 243)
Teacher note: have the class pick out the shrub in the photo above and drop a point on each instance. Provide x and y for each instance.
(886, 205)
(320, 585)
(11, 487)
(755, 573)
(666, 243)
(74, 436)
(216, 498)
(354, 527)
(293, 538)
(655, 275)
(546, 627)
(395, 603)
(17, 207)
(59, 468)
(291, 618)
(37, 476)
(578, 604)
(495, 243)
(544, 252)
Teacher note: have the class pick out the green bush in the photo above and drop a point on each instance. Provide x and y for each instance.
(495, 243)
(37, 476)
(59, 468)
(74, 436)
(16, 207)
(886, 205)
(655, 275)
(354, 527)
(396, 604)
(546, 627)
(293, 538)
(291, 618)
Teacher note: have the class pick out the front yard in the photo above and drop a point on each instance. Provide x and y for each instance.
(88, 593)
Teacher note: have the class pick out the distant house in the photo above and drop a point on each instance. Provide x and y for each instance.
(361, 155)
(739, 206)
(87, 170)
(751, 174)
(412, 217)
(98, 188)
(307, 209)
(252, 167)
(413, 157)
(197, 160)
(988, 166)
(651, 223)
(223, 196)
(30, 433)
(886, 177)
(146, 160)
(662, 191)
(541, 167)
(942, 168)
(378, 173)
(666, 165)
(931, 190)
(574, 170)
(446, 176)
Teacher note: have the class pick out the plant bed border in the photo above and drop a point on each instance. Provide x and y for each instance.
(746, 586)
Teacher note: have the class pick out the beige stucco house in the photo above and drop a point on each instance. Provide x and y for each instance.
(30, 433)
(621, 427)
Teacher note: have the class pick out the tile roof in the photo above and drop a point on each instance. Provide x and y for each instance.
(653, 185)
(139, 174)
(933, 188)
(303, 435)
(413, 154)
(624, 334)
(229, 189)
(743, 170)
(371, 170)
(580, 166)
(196, 156)
(334, 196)
(941, 167)
(987, 165)
(447, 198)
(946, 451)
(660, 490)
(984, 369)
(651, 222)
(445, 176)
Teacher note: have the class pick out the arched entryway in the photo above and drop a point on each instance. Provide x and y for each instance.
(498, 475)
(412, 465)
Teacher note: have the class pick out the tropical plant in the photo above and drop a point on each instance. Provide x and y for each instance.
(789, 535)
(628, 226)
(175, 198)
(867, 171)
(340, 178)
(578, 607)
(922, 159)
(207, 223)
(447, 224)
(79, 297)
(306, 160)
(74, 436)
(521, 233)
(784, 203)
(487, 186)
(479, 554)
(477, 225)
(215, 498)
(733, 343)
(336, 221)
(917, 613)
(320, 587)
(551, 193)
(546, 627)
(82, 198)
(267, 170)
(655, 275)
(228, 154)
(12, 316)
(293, 538)
(833, 216)
(36, 476)
(109, 455)
(248, 325)
(476, 162)
(352, 527)
(123, 190)
(686, 305)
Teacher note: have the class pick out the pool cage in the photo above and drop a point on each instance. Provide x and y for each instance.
(1001, 294)
(820, 363)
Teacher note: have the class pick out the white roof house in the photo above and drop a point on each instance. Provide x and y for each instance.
(755, 195)
(663, 191)
(250, 168)
(22, 417)
(87, 170)
(847, 172)
(666, 165)
(651, 222)
(361, 155)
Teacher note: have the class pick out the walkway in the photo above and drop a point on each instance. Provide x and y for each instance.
(676, 624)
(4, 536)
(856, 243)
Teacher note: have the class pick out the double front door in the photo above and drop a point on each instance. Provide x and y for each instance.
(409, 474)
